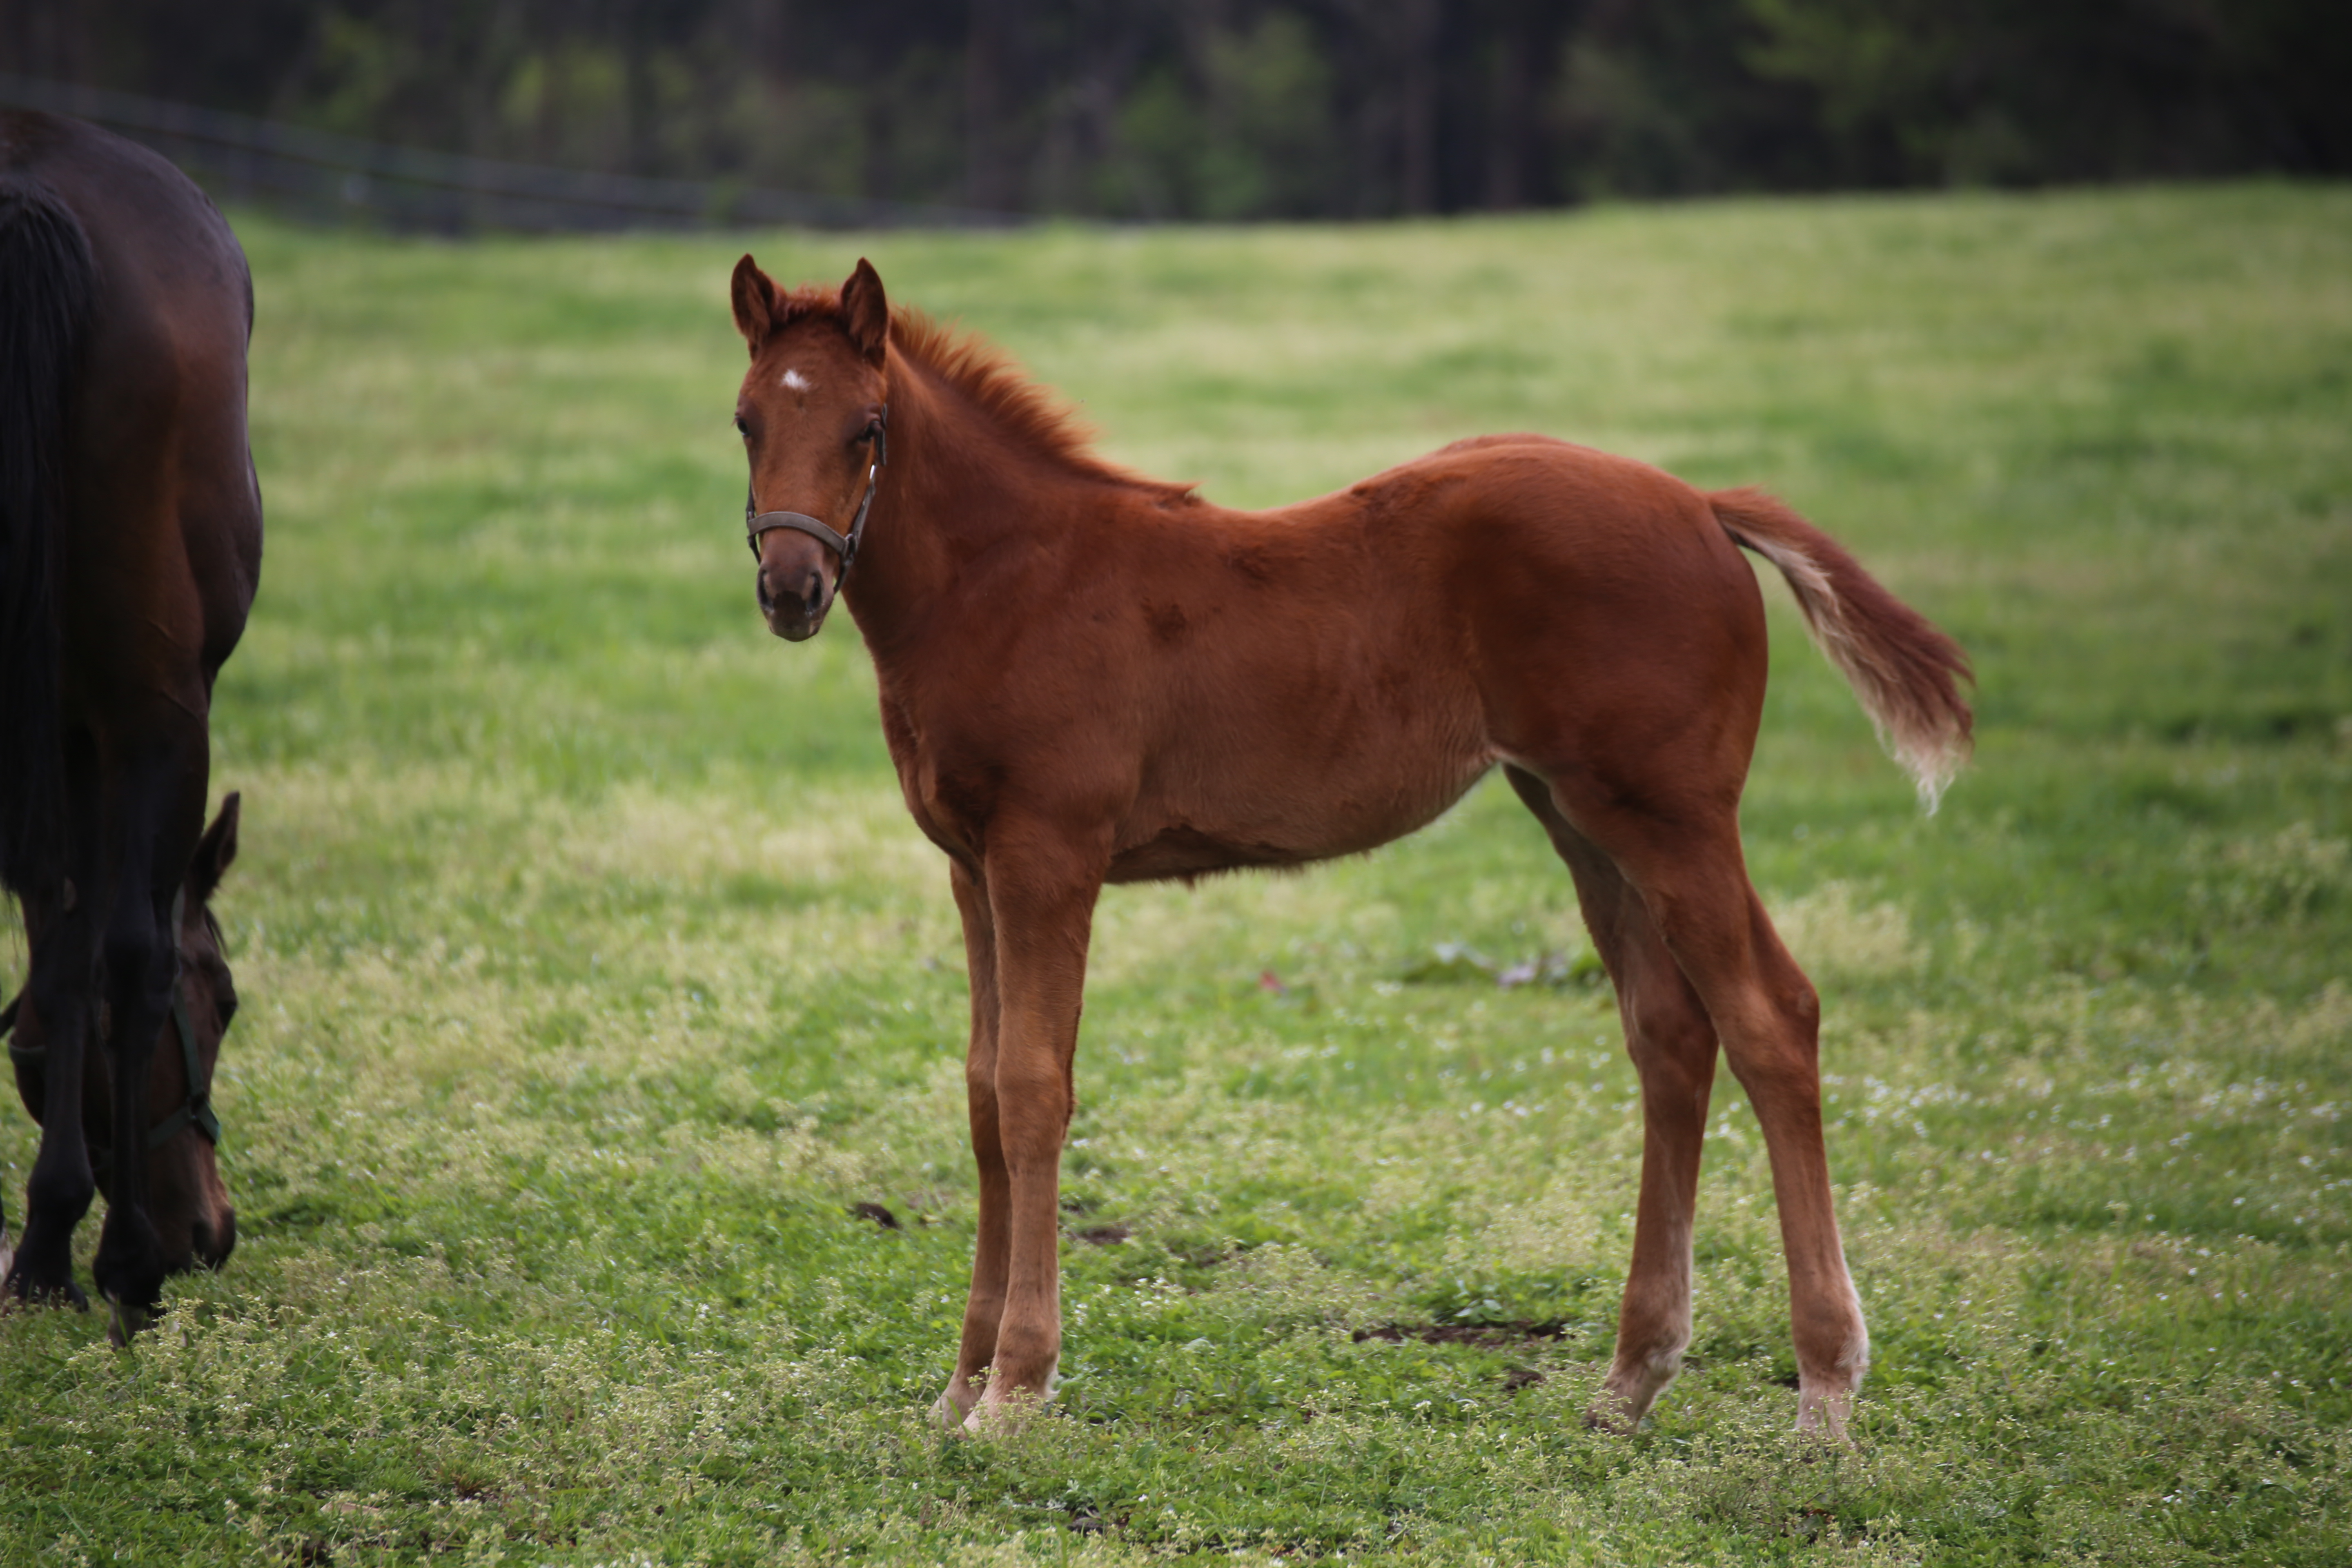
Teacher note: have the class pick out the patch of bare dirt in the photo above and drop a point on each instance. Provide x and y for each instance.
(1485, 1336)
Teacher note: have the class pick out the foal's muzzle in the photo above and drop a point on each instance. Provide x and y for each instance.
(795, 593)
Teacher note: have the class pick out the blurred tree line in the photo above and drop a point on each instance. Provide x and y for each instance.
(1241, 109)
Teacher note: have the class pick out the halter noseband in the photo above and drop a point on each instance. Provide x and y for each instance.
(196, 1112)
(756, 523)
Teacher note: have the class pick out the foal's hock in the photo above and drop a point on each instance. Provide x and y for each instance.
(1090, 677)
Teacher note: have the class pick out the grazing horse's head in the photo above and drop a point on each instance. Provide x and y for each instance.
(186, 1199)
(812, 413)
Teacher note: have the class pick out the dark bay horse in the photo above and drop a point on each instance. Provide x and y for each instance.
(186, 1199)
(1087, 677)
(130, 549)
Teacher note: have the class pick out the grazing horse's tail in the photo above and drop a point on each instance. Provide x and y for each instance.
(1905, 672)
(47, 283)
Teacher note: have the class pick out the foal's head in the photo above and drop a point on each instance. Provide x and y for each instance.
(186, 1200)
(812, 412)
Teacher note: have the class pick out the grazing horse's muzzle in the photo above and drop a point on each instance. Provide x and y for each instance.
(213, 1239)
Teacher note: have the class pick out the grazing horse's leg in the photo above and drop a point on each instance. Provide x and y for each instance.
(156, 818)
(991, 1250)
(60, 988)
(1679, 853)
(1041, 888)
(1673, 1045)
(59, 1191)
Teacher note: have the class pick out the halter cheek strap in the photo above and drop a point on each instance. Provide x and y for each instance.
(757, 523)
(196, 1112)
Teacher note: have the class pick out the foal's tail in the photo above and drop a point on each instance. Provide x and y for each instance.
(47, 284)
(1905, 672)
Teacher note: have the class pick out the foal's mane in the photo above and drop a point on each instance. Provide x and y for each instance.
(994, 384)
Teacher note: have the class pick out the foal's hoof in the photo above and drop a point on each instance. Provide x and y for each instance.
(993, 1421)
(1611, 1415)
(1002, 1417)
(1824, 1416)
(1613, 1412)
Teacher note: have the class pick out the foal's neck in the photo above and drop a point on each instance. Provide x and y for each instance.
(963, 482)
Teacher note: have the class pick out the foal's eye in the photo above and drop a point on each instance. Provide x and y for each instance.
(742, 428)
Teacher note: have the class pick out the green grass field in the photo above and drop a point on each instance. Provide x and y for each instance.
(593, 972)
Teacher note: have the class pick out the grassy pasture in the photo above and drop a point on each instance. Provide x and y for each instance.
(592, 973)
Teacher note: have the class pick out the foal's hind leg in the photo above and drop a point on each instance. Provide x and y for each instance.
(1673, 1045)
(1769, 1022)
(1681, 857)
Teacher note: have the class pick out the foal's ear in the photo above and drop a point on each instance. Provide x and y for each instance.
(216, 851)
(754, 293)
(866, 311)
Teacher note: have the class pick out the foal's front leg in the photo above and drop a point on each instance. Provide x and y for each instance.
(985, 1305)
(1040, 893)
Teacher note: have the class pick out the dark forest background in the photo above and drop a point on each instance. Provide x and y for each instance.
(1242, 108)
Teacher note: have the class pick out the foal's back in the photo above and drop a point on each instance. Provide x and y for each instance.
(1326, 676)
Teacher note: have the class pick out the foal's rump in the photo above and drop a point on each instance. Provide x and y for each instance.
(1604, 610)
(1609, 594)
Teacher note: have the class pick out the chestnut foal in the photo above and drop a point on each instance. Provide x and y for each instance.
(1088, 677)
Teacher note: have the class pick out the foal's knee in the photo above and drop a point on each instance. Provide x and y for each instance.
(1676, 1088)
(1672, 1047)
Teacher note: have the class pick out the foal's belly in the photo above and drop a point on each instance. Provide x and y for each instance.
(1311, 819)
(1330, 714)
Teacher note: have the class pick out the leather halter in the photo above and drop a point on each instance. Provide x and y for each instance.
(196, 1111)
(756, 523)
